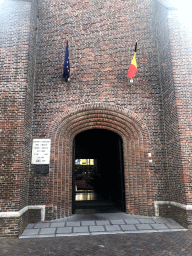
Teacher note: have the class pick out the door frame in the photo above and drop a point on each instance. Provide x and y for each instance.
(73, 180)
(121, 170)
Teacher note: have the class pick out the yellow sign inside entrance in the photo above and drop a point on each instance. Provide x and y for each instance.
(84, 161)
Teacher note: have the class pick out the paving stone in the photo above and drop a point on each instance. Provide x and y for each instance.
(93, 227)
(118, 222)
(96, 228)
(64, 230)
(66, 234)
(73, 234)
(59, 220)
(107, 233)
(30, 232)
(160, 220)
(73, 224)
(181, 230)
(141, 217)
(88, 223)
(144, 231)
(146, 221)
(113, 228)
(57, 225)
(30, 226)
(174, 226)
(80, 229)
(171, 220)
(159, 226)
(128, 227)
(47, 231)
(42, 225)
(102, 222)
(43, 236)
(164, 230)
(143, 226)
(132, 221)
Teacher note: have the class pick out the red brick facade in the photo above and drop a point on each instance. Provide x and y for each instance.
(151, 115)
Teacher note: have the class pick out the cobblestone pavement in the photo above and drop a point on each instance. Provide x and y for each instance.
(143, 244)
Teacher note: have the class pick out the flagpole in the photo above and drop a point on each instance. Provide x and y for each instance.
(136, 46)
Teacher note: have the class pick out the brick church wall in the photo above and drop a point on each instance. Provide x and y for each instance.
(17, 72)
(174, 47)
(101, 39)
(181, 52)
(37, 103)
(172, 151)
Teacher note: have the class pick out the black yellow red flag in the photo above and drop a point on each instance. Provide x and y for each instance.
(133, 66)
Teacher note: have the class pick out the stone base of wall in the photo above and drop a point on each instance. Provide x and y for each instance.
(176, 213)
(189, 219)
(34, 215)
(9, 227)
(49, 213)
(149, 211)
(23, 222)
(13, 227)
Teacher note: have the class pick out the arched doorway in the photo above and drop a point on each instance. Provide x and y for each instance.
(139, 182)
(98, 172)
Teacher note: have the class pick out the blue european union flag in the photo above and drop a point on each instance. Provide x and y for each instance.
(66, 65)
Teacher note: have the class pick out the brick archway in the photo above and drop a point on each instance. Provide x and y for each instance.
(137, 172)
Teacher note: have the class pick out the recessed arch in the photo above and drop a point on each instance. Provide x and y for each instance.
(138, 174)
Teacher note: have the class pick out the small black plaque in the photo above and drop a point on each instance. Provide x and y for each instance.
(42, 169)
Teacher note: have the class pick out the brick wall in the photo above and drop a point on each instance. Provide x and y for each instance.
(101, 39)
(181, 51)
(172, 166)
(170, 111)
(17, 64)
(150, 114)
(174, 47)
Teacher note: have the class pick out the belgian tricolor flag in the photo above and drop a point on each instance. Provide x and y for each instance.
(133, 67)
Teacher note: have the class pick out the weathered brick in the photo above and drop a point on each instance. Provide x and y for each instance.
(151, 115)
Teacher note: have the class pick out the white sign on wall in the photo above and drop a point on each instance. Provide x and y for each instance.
(41, 151)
